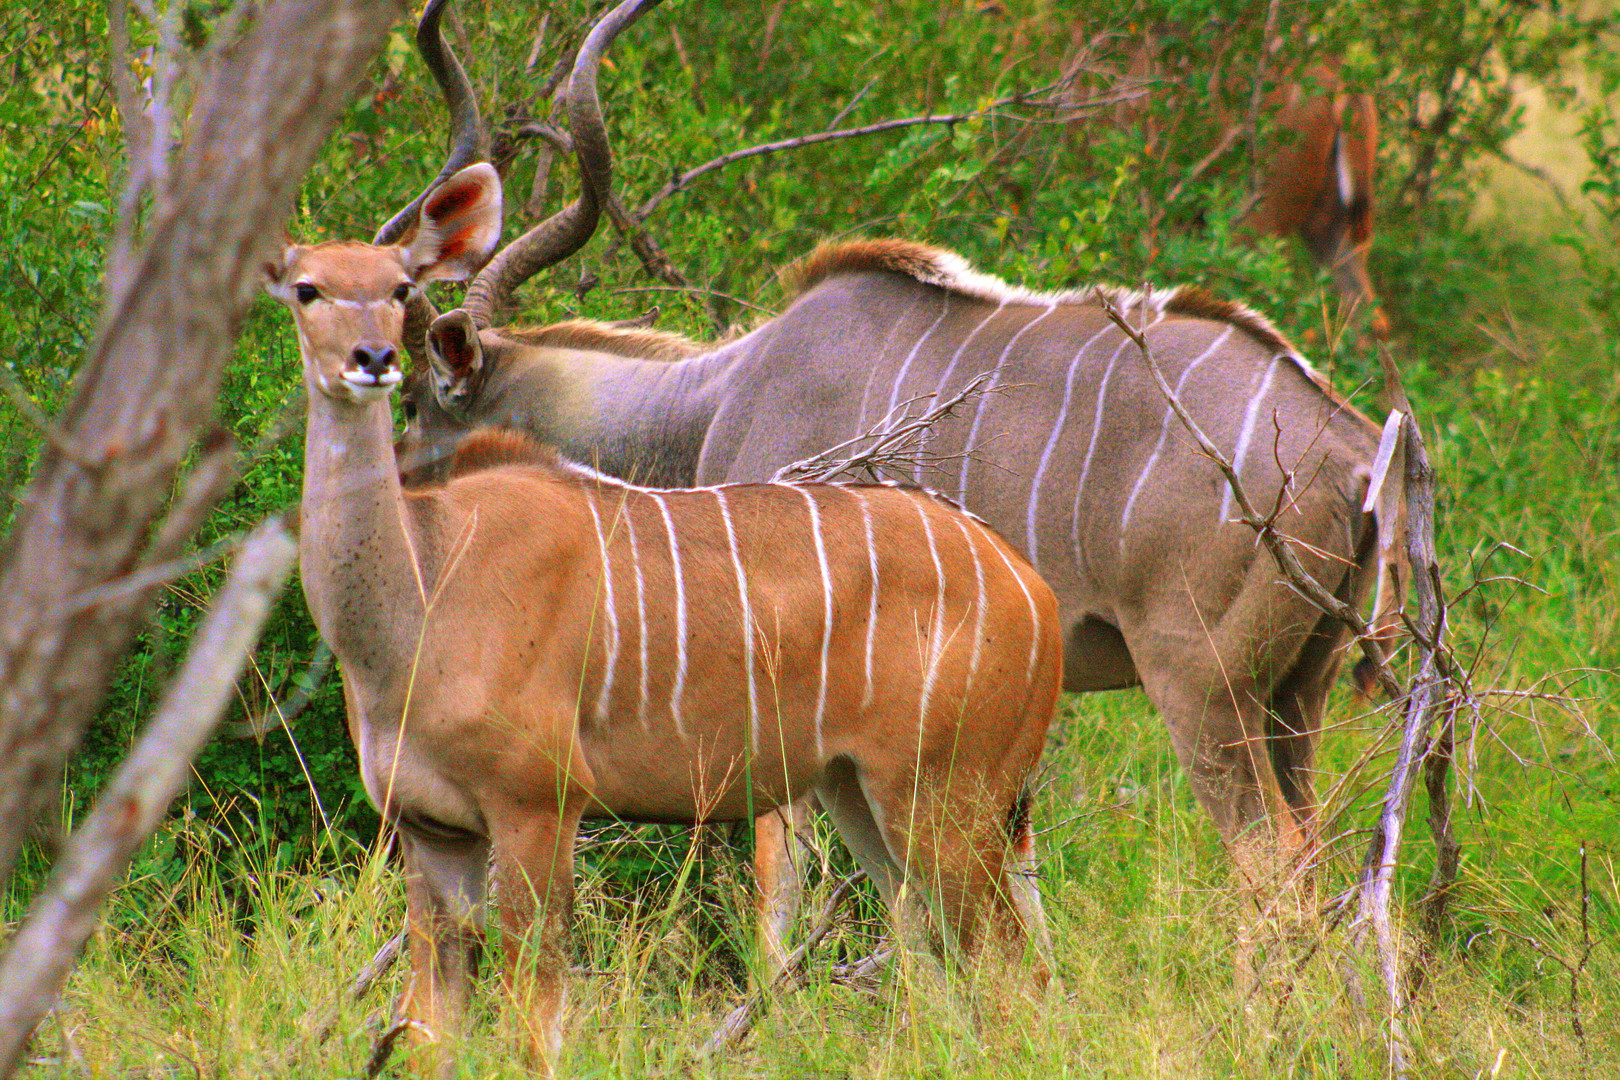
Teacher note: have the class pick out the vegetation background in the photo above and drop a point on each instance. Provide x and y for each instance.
(270, 884)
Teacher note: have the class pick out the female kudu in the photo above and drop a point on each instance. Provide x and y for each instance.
(532, 643)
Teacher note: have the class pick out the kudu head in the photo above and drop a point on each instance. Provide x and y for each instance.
(350, 300)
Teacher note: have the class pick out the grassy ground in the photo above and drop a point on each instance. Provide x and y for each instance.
(1141, 914)
(221, 973)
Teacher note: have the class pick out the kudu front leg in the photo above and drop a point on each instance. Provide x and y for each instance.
(444, 896)
(534, 892)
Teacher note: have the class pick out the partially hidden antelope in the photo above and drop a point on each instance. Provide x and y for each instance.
(534, 642)
(1314, 170)
(1076, 458)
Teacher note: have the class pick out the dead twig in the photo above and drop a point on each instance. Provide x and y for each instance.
(384, 1047)
(316, 1032)
(892, 445)
(793, 976)
(282, 714)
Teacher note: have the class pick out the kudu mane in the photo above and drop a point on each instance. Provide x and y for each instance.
(640, 343)
(945, 269)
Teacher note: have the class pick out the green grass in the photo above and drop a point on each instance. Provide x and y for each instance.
(1136, 890)
(219, 947)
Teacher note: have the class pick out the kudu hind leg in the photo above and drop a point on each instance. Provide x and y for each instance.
(780, 856)
(444, 893)
(953, 840)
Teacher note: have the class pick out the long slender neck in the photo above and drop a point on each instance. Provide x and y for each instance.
(642, 420)
(358, 548)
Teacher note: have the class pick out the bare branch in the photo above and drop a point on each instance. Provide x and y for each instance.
(894, 442)
(282, 714)
(1280, 546)
(62, 918)
(793, 976)
(681, 180)
(315, 1032)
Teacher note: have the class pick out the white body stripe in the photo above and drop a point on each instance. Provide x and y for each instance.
(1057, 433)
(978, 412)
(936, 642)
(641, 610)
(978, 617)
(826, 610)
(1164, 433)
(872, 603)
(1034, 619)
(1249, 417)
(1091, 449)
(1345, 174)
(899, 379)
(680, 617)
(944, 381)
(747, 619)
(602, 698)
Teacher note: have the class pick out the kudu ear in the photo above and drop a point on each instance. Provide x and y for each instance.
(275, 271)
(457, 357)
(459, 227)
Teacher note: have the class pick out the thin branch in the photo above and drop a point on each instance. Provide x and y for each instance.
(46, 427)
(40, 956)
(282, 714)
(1280, 545)
(681, 180)
(894, 441)
(316, 1032)
(793, 976)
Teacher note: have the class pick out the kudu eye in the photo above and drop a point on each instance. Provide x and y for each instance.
(402, 292)
(306, 293)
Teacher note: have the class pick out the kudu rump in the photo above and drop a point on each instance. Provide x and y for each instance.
(1075, 458)
(534, 642)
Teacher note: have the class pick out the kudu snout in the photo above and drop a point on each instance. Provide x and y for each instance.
(375, 358)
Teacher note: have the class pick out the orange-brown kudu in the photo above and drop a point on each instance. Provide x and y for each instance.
(533, 643)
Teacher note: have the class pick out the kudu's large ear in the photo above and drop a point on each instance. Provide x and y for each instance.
(460, 226)
(457, 357)
(274, 272)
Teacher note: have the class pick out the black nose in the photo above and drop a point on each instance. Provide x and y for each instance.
(374, 359)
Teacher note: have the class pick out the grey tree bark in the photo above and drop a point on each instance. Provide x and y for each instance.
(99, 507)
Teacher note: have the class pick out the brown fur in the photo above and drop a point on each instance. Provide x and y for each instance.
(491, 448)
(908, 257)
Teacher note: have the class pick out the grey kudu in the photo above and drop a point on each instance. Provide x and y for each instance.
(533, 642)
(1075, 457)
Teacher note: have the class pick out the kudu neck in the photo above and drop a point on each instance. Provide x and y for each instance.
(638, 419)
(358, 547)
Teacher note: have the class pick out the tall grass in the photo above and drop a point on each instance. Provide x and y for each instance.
(193, 983)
